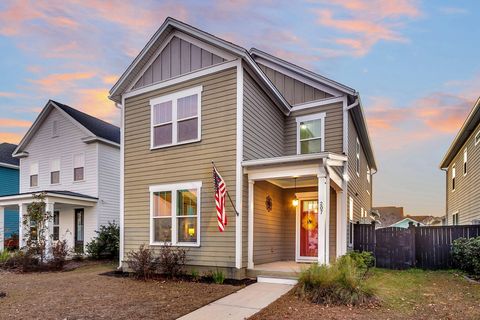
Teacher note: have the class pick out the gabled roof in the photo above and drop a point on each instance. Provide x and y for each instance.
(94, 128)
(465, 132)
(6, 159)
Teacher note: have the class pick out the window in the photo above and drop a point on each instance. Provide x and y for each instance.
(33, 230)
(55, 171)
(79, 167)
(453, 177)
(465, 162)
(477, 138)
(310, 133)
(176, 118)
(357, 158)
(56, 225)
(54, 129)
(368, 174)
(455, 218)
(175, 214)
(34, 174)
(350, 221)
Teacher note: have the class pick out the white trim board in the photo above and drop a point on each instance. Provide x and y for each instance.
(311, 117)
(239, 169)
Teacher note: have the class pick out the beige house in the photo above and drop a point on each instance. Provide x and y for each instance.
(292, 146)
(461, 164)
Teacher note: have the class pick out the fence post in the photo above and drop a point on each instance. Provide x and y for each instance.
(413, 230)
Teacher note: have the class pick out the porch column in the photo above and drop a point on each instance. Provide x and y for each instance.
(323, 218)
(22, 229)
(251, 198)
(49, 208)
(2, 228)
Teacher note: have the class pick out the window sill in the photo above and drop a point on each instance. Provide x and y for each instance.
(194, 245)
(78, 181)
(176, 144)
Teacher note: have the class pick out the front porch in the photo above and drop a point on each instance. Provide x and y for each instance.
(296, 213)
(72, 217)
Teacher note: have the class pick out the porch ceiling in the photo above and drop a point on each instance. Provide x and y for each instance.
(288, 183)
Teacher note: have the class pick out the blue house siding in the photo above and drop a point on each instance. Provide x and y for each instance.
(10, 184)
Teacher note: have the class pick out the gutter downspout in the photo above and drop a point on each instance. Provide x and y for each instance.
(120, 106)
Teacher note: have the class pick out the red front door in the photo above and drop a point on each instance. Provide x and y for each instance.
(308, 228)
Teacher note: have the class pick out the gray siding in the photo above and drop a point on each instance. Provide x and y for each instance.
(466, 197)
(357, 185)
(177, 58)
(190, 162)
(333, 128)
(294, 91)
(264, 123)
(108, 184)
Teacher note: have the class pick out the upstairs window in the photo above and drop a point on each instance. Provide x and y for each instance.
(357, 157)
(55, 171)
(311, 133)
(453, 177)
(79, 167)
(465, 162)
(176, 118)
(34, 174)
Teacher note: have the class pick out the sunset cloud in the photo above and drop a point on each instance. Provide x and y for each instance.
(14, 123)
(11, 137)
(59, 82)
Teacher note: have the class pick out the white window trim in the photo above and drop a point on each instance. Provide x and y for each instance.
(84, 167)
(174, 97)
(455, 214)
(311, 117)
(59, 171)
(173, 189)
(465, 160)
(37, 164)
(357, 157)
(477, 138)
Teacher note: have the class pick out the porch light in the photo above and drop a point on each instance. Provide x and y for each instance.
(295, 199)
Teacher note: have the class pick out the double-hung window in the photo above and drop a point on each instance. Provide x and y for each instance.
(79, 167)
(175, 118)
(55, 171)
(311, 133)
(56, 225)
(34, 174)
(357, 157)
(464, 162)
(454, 173)
(175, 214)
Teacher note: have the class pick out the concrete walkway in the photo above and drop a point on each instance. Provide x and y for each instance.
(241, 304)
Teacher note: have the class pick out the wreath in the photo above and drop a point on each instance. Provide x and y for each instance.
(309, 221)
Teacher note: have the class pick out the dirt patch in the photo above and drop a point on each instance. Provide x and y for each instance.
(413, 294)
(85, 294)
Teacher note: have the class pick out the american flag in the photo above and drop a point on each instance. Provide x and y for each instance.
(220, 193)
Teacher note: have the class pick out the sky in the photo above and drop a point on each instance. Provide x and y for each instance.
(415, 64)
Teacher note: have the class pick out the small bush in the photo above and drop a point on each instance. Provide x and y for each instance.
(59, 254)
(24, 261)
(218, 276)
(364, 260)
(4, 256)
(106, 244)
(341, 283)
(143, 262)
(172, 261)
(466, 255)
(195, 275)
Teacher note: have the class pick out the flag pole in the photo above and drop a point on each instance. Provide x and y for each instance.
(228, 194)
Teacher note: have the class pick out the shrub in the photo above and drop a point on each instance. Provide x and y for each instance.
(106, 244)
(364, 260)
(59, 254)
(466, 255)
(143, 262)
(195, 275)
(218, 276)
(341, 283)
(25, 261)
(4, 256)
(172, 261)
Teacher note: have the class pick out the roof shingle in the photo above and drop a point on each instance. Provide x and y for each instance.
(6, 150)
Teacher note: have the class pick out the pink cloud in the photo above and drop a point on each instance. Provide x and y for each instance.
(95, 102)
(11, 137)
(60, 82)
(14, 123)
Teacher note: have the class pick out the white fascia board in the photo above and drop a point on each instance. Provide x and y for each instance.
(317, 103)
(9, 166)
(294, 158)
(102, 140)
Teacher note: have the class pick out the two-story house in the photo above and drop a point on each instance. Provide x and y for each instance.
(292, 146)
(9, 184)
(74, 160)
(461, 164)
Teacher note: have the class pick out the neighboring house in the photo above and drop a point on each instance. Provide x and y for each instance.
(405, 222)
(461, 164)
(388, 215)
(9, 184)
(74, 159)
(276, 132)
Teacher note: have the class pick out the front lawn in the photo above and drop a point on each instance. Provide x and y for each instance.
(86, 294)
(412, 294)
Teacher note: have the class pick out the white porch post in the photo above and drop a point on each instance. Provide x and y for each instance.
(2, 228)
(49, 208)
(22, 229)
(251, 186)
(323, 215)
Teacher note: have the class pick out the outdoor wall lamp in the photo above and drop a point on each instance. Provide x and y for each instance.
(295, 199)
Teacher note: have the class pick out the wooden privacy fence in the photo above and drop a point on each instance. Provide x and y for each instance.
(400, 248)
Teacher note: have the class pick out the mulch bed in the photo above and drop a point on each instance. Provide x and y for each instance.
(85, 294)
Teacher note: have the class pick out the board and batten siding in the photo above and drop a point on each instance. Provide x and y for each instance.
(177, 58)
(357, 185)
(108, 184)
(184, 163)
(465, 199)
(43, 148)
(333, 128)
(294, 91)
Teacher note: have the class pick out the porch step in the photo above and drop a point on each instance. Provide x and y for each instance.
(278, 280)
